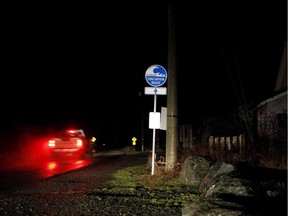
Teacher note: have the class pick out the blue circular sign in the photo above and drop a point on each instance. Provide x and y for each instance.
(156, 75)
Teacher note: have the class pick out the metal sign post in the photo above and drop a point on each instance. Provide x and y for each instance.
(154, 134)
(156, 76)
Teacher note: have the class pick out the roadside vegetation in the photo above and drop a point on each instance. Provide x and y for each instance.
(161, 188)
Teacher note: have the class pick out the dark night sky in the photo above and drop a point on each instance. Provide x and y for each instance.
(87, 63)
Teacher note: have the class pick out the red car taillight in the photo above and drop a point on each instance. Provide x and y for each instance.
(79, 143)
(51, 143)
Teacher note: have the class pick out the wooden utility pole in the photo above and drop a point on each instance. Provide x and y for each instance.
(172, 111)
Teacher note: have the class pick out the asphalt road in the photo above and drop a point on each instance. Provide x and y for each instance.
(30, 175)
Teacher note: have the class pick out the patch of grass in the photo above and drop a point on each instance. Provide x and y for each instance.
(140, 176)
(128, 177)
(161, 188)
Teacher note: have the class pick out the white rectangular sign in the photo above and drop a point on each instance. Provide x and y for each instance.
(154, 120)
(155, 90)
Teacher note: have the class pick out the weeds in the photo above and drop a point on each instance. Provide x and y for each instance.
(128, 177)
(140, 176)
(163, 188)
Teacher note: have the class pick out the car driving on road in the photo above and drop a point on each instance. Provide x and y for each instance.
(68, 143)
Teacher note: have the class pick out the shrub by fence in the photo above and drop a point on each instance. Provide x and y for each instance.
(235, 149)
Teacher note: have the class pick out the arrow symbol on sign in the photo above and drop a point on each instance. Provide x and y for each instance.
(155, 90)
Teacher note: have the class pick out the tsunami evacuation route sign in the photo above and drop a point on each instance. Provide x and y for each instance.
(156, 75)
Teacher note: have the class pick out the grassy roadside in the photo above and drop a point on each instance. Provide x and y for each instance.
(160, 188)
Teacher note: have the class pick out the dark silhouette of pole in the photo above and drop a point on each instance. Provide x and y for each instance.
(142, 120)
(172, 107)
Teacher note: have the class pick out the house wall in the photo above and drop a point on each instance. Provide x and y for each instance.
(270, 116)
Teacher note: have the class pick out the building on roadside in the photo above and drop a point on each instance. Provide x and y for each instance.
(271, 113)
